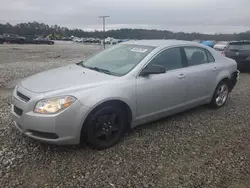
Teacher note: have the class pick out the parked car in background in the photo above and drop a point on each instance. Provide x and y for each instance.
(240, 52)
(67, 38)
(108, 40)
(13, 38)
(221, 45)
(76, 39)
(198, 41)
(43, 41)
(128, 84)
(208, 43)
(97, 40)
(1, 39)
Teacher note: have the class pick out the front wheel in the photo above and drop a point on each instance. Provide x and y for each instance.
(105, 127)
(220, 95)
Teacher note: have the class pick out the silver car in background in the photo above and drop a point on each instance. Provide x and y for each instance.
(129, 84)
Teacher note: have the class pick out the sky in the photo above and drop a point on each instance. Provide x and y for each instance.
(204, 16)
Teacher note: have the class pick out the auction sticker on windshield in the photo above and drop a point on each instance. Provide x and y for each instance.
(140, 50)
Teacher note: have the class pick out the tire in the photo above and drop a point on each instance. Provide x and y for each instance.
(1, 42)
(104, 127)
(220, 95)
(21, 42)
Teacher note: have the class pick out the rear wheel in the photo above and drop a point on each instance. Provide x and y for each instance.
(220, 95)
(105, 127)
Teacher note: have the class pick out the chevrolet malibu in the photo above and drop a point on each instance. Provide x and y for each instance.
(132, 83)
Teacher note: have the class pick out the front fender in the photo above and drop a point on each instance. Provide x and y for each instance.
(124, 92)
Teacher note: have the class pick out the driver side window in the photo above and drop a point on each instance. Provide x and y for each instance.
(170, 59)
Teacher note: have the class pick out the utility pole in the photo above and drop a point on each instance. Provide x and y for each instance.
(103, 23)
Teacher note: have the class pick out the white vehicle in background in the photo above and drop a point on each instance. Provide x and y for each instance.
(221, 45)
(115, 41)
(108, 40)
(76, 39)
(111, 40)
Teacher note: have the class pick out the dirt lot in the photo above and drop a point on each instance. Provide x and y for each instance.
(197, 148)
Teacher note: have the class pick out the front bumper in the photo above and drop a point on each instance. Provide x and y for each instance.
(63, 128)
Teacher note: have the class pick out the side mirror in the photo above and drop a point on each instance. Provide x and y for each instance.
(153, 69)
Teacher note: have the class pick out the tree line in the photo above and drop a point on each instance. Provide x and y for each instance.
(34, 29)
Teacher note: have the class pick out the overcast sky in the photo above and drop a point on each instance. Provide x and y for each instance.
(206, 16)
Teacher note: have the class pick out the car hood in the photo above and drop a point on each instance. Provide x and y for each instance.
(71, 76)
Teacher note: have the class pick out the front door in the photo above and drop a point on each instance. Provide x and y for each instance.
(160, 94)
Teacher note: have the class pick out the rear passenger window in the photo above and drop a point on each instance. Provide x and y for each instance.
(195, 56)
(210, 57)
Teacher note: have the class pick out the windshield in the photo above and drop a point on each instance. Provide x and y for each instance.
(118, 60)
(239, 47)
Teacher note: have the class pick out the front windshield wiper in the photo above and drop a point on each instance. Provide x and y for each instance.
(99, 69)
(80, 64)
(96, 69)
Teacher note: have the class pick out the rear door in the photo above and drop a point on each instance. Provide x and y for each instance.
(201, 73)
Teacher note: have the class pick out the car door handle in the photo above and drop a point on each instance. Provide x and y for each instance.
(181, 76)
(215, 68)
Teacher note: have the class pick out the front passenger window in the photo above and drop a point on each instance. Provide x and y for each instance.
(170, 59)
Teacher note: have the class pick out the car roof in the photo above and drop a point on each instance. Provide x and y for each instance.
(240, 42)
(157, 43)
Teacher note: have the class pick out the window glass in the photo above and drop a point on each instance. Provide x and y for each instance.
(195, 56)
(239, 47)
(119, 59)
(210, 57)
(170, 59)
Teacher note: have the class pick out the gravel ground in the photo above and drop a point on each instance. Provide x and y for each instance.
(197, 148)
(19, 61)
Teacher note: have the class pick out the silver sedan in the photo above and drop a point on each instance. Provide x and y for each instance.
(129, 84)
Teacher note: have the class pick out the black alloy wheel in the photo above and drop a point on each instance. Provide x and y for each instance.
(105, 127)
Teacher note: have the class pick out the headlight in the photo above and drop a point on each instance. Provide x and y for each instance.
(53, 105)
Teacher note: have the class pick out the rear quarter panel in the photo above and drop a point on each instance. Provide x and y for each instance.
(226, 65)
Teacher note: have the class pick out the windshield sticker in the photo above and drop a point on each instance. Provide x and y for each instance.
(140, 50)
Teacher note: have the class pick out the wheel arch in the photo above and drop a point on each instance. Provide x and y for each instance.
(118, 102)
(223, 75)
